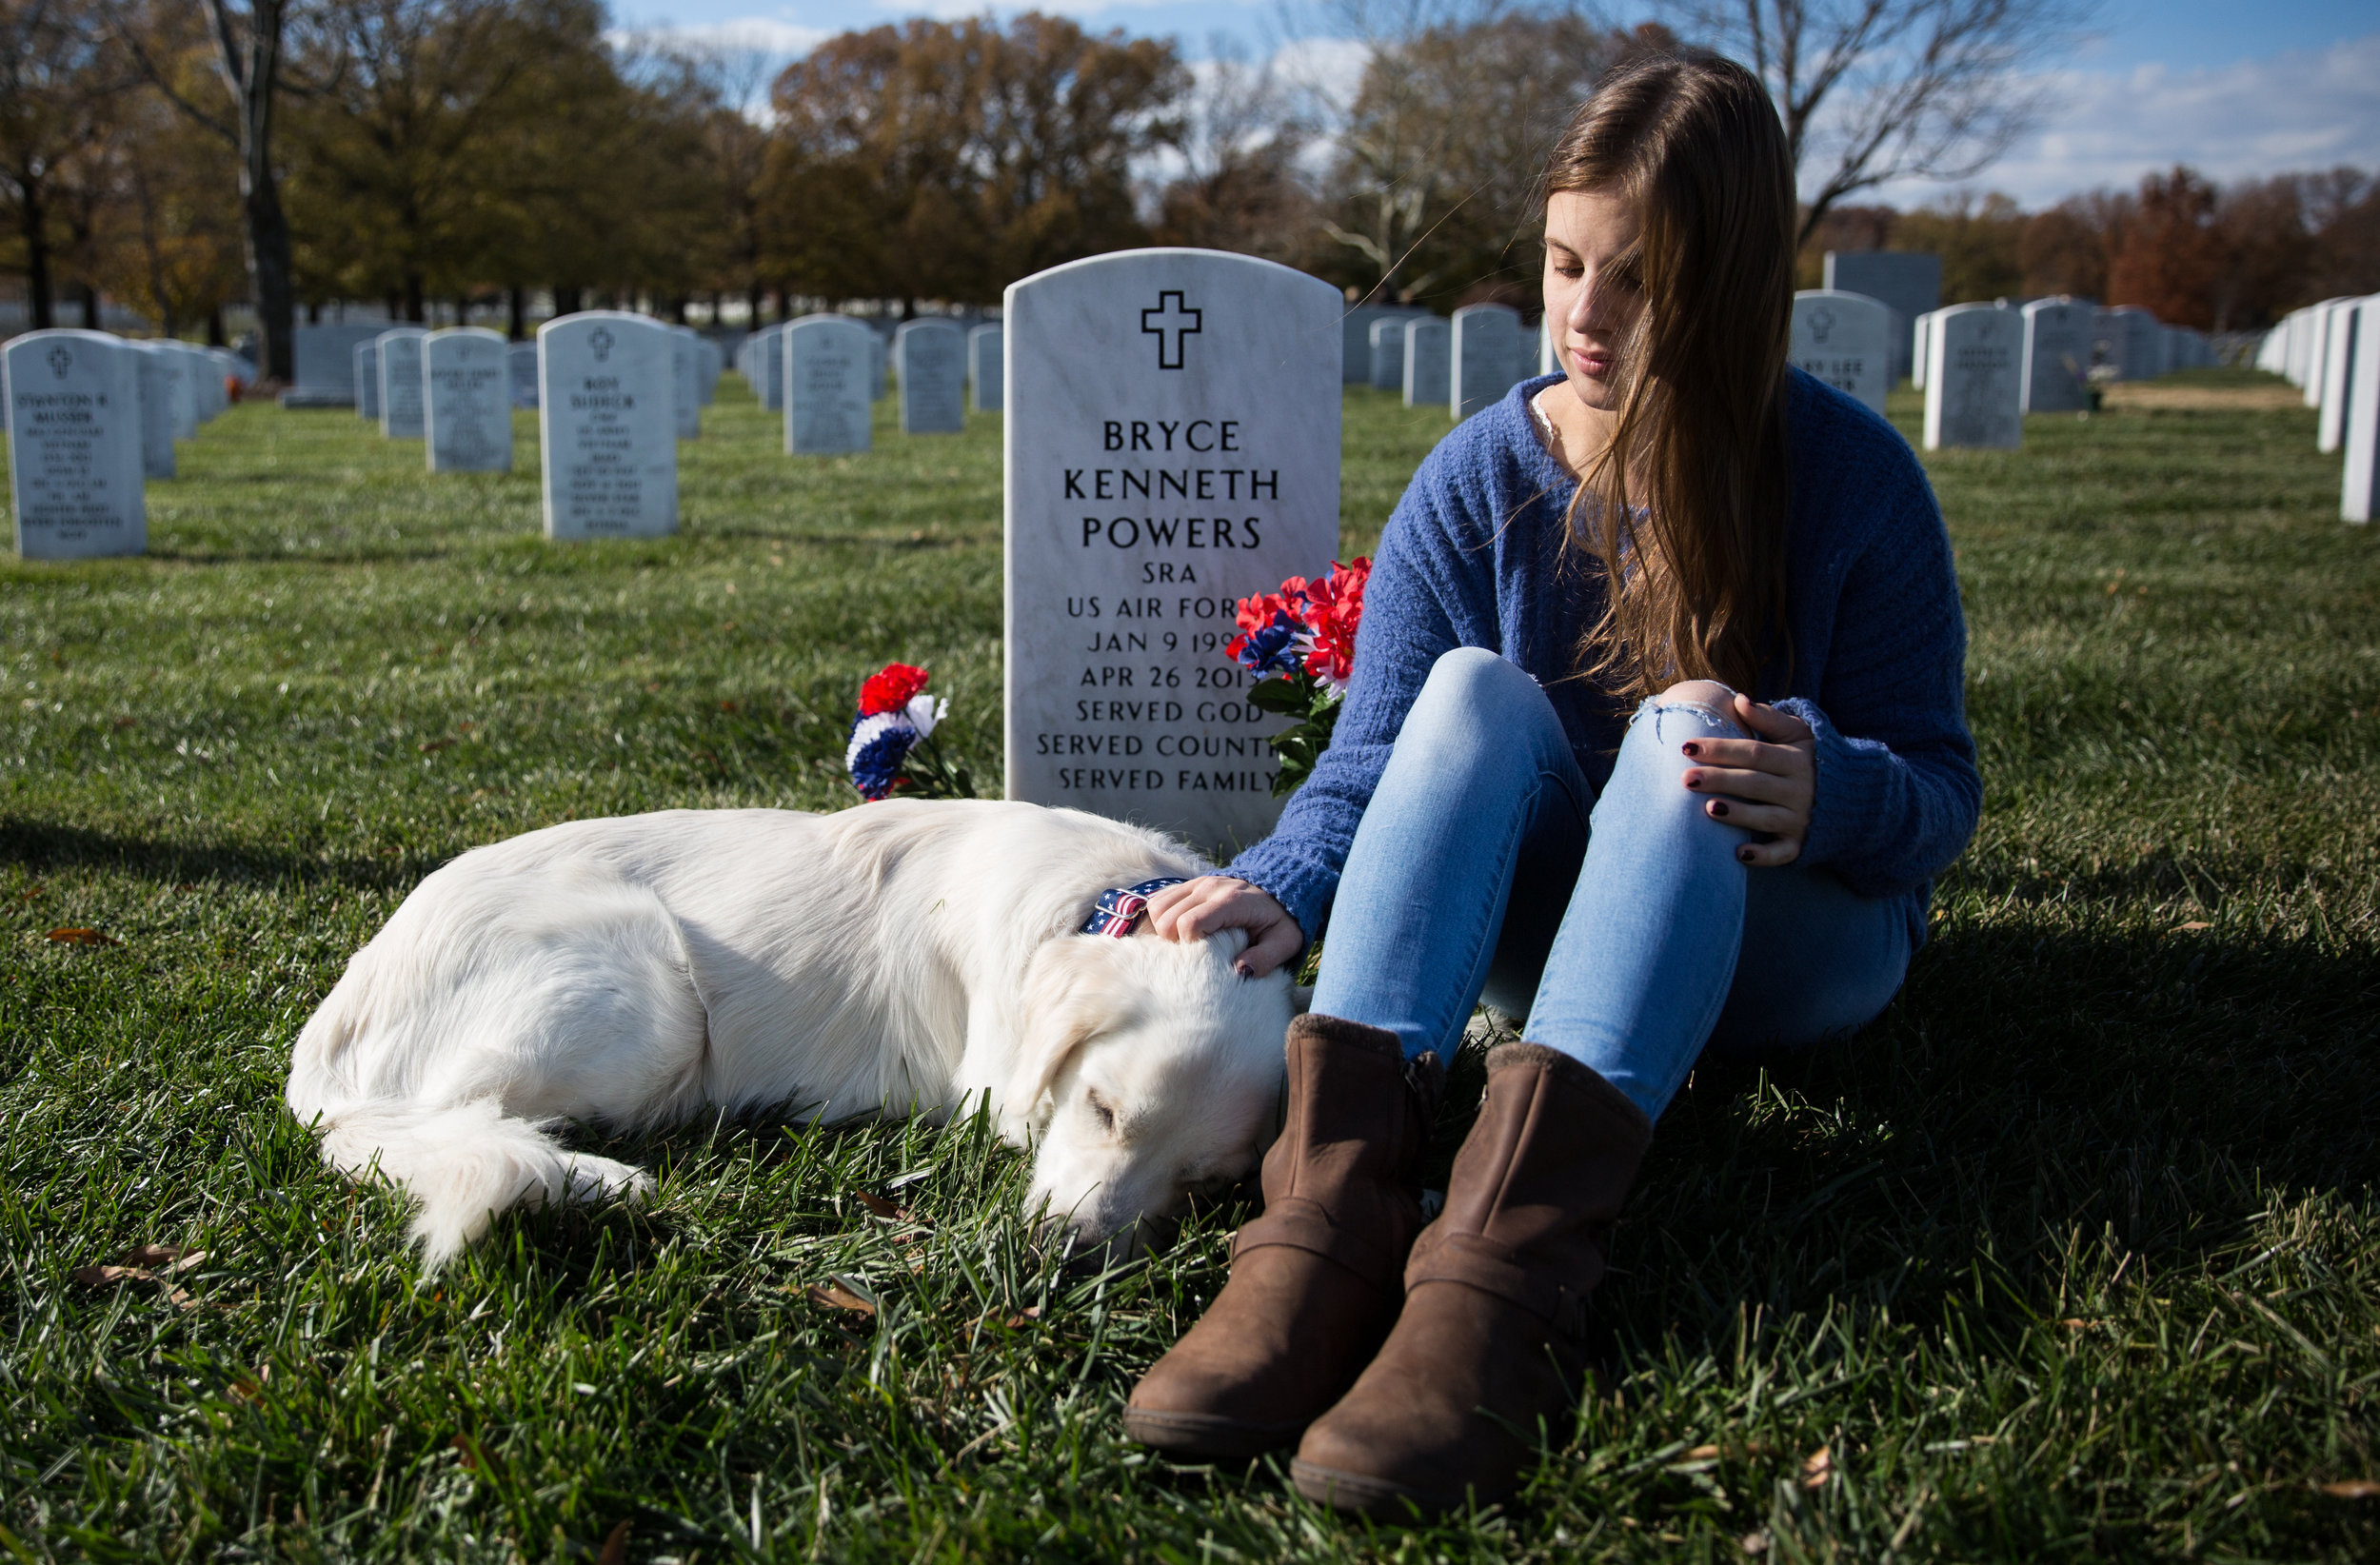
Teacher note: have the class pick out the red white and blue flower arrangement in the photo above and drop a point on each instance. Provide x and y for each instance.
(891, 741)
(1300, 643)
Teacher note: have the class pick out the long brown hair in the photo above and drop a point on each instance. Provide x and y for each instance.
(1694, 579)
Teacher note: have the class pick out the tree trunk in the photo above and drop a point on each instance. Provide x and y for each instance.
(91, 307)
(566, 301)
(413, 299)
(38, 299)
(216, 336)
(517, 313)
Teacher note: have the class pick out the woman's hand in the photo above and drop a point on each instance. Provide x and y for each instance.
(1761, 784)
(1198, 908)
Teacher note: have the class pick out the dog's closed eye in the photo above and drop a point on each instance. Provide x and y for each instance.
(1107, 1115)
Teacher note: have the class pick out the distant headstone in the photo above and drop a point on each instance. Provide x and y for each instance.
(521, 364)
(181, 395)
(1484, 353)
(933, 377)
(367, 381)
(1845, 340)
(155, 367)
(1909, 282)
(2359, 490)
(1974, 382)
(2129, 338)
(986, 368)
(685, 372)
(401, 383)
(2338, 374)
(879, 357)
(710, 361)
(828, 365)
(1174, 447)
(322, 361)
(205, 383)
(1429, 382)
(1356, 325)
(607, 419)
(1386, 354)
(768, 362)
(74, 445)
(468, 401)
(2058, 356)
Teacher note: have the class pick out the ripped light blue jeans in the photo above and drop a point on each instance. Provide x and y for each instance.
(1621, 928)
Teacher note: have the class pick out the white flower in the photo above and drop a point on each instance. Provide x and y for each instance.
(923, 711)
(869, 729)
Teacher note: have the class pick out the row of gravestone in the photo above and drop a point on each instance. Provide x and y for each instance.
(92, 417)
(2331, 352)
(1982, 366)
(823, 373)
(396, 372)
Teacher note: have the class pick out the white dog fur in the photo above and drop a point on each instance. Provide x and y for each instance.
(895, 957)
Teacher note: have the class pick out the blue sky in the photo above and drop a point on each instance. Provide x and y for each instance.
(2236, 90)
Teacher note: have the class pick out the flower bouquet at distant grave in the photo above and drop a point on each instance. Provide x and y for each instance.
(892, 740)
(1300, 643)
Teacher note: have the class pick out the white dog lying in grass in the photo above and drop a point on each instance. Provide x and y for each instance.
(896, 957)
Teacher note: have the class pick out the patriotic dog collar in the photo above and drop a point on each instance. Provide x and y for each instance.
(1120, 909)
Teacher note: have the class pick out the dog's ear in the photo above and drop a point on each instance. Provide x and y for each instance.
(1058, 1018)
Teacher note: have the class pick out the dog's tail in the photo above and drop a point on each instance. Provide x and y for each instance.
(463, 1165)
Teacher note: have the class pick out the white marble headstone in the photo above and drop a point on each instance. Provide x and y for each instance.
(2058, 356)
(401, 383)
(985, 361)
(1845, 340)
(2338, 374)
(367, 381)
(708, 360)
(155, 367)
(932, 357)
(1428, 378)
(322, 357)
(881, 366)
(1485, 354)
(206, 384)
(828, 361)
(2359, 489)
(1973, 384)
(521, 361)
(1388, 350)
(769, 364)
(1174, 447)
(686, 366)
(74, 445)
(607, 419)
(468, 407)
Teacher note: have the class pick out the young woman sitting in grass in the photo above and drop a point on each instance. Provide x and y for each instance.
(1655, 740)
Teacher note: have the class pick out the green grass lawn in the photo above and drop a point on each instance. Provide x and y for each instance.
(2074, 1255)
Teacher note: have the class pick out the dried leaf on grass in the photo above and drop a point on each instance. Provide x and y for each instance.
(1818, 1467)
(1745, 1452)
(615, 1547)
(2191, 927)
(885, 1208)
(149, 1263)
(2352, 1489)
(78, 935)
(835, 1293)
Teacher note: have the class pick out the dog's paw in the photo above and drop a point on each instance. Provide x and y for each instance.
(595, 1179)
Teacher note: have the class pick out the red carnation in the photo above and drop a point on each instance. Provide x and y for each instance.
(890, 688)
(1334, 608)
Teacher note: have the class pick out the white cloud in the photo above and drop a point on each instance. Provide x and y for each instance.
(768, 34)
(2304, 110)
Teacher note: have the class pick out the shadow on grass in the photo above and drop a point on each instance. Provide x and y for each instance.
(44, 847)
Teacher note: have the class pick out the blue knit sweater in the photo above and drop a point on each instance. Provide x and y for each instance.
(1474, 556)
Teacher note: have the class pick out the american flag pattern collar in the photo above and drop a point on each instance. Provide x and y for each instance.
(1119, 908)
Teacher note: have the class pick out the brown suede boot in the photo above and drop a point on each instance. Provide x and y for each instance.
(1488, 1344)
(1315, 1280)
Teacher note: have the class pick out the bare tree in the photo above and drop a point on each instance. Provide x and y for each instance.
(251, 47)
(1244, 131)
(1876, 91)
(55, 86)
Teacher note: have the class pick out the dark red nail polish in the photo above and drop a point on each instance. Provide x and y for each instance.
(1745, 854)
(1692, 781)
(1690, 749)
(1719, 806)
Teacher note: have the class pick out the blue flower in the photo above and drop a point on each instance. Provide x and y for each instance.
(1270, 650)
(879, 745)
